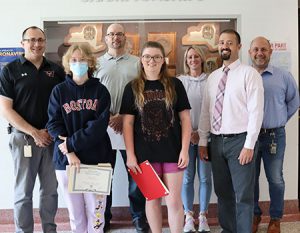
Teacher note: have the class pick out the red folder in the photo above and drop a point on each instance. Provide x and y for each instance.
(149, 182)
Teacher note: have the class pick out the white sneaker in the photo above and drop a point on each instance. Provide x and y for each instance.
(203, 225)
(189, 225)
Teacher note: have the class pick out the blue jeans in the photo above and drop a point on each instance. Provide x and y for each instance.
(204, 175)
(273, 164)
(234, 183)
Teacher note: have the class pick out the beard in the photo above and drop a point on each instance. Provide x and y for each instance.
(260, 63)
(225, 56)
(118, 44)
(261, 60)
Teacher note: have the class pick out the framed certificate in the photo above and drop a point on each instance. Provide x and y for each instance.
(90, 179)
(168, 41)
(132, 45)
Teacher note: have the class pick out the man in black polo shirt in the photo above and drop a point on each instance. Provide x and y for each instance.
(25, 87)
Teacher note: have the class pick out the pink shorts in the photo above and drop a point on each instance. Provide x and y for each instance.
(162, 168)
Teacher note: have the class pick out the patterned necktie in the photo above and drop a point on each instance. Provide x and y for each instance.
(217, 117)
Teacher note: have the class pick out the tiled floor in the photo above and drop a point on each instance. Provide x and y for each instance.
(290, 222)
(286, 227)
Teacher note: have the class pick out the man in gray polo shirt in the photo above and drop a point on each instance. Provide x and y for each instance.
(117, 68)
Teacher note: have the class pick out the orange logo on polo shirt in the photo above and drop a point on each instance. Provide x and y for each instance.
(50, 73)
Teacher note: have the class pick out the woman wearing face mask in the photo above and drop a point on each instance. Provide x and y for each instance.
(194, 81)
(157, 127)
(78, 118)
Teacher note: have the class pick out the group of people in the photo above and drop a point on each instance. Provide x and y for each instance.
(244, 112)
(224, 123)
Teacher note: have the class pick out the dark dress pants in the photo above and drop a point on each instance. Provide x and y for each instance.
(233, 183)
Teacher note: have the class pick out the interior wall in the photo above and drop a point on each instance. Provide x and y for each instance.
(275, 19)
(58, 35)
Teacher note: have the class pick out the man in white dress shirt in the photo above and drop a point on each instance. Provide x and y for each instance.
(233, 143)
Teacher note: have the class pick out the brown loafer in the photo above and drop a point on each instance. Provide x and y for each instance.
(256, 221)
(274, 226)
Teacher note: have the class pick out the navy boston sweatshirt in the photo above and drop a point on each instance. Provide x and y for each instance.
(80, 113)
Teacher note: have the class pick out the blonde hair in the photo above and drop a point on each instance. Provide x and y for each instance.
(138, 84)
(200, 52)
(86, 52)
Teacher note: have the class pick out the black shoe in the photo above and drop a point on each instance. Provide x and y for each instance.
(141, 225)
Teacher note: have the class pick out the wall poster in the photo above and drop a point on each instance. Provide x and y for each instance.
(9, 54)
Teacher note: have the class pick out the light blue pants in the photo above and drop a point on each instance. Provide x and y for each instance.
(26, 170)
(205, 184)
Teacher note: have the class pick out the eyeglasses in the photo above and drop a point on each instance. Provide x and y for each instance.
(112, 34)
(156, 58)
(34, 40)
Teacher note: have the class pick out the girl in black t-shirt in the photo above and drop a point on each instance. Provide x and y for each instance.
(157, 127)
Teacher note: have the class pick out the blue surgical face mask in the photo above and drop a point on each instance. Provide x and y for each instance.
(79, 68)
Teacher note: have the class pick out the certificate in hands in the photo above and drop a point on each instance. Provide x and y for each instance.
(90, 179)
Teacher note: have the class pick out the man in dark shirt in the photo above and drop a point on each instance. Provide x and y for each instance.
(25, 87)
